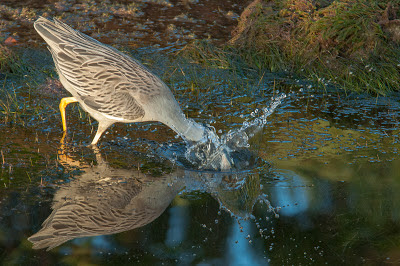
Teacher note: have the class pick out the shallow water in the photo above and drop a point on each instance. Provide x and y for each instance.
(323, 189)
(320, 187)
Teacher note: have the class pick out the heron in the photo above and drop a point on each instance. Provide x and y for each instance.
(109, 85)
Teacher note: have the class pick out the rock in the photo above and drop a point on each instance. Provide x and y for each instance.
(10, 41)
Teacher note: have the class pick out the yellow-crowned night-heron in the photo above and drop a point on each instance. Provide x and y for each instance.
(109, 85)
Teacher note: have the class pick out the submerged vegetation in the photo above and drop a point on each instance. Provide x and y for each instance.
(352, 44)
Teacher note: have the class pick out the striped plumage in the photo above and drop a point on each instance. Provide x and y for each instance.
(109, 85)
(103, 201)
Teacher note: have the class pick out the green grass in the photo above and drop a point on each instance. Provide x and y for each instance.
(23, 72)
(11, 107)
(11, 63)
(347, 43)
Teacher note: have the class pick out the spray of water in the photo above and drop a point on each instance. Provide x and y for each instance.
(215, 153)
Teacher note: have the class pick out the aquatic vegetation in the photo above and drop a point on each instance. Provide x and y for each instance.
(11, 62)
(22, 71)
(10, 108)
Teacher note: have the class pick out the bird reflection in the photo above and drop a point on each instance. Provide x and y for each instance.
(106, 200)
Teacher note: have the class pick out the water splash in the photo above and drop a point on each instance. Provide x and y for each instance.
(216, 153)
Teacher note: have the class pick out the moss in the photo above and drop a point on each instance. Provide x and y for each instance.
(354, 44)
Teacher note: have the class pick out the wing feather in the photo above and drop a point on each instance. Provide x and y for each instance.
(104, 79)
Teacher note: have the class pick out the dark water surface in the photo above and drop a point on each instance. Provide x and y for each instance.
(328, 194)
(323, 188)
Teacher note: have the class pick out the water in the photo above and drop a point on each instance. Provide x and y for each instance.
(106, 200)
(314, 176)
(217, 153)
(317, 189)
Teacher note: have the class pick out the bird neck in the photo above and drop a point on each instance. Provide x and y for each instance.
(187, 128)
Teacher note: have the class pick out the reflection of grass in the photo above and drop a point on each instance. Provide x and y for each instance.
(348, 43)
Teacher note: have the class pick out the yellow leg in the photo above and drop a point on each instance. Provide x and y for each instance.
(64, 102)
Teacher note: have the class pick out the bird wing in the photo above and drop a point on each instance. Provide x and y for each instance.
(105, 79)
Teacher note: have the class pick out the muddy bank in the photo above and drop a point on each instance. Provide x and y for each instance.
(352, 44)
(125, 23)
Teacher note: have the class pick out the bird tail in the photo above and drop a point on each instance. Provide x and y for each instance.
(52, 31)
